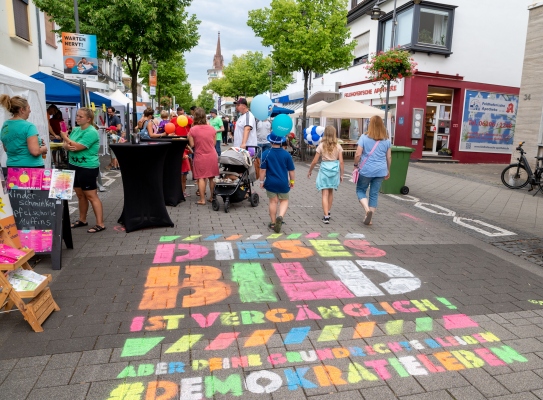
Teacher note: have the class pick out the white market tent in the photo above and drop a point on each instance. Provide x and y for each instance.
(347, 108)
(14, 83)
(311, 109)
(120, 98)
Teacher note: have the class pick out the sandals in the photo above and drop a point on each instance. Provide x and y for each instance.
(78, 224)
(271, 226)
(96, 229)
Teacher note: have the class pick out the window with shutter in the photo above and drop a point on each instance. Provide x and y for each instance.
(50, 37)
(20, 17)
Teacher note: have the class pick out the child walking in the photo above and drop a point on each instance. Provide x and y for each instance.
(277, 177)
(185, 168)
(331, 169)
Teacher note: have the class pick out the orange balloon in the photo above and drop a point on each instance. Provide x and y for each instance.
(182, 121)
(169, 127)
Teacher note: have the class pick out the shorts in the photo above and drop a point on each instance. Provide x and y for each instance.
(85, 178)
(184, 173)
(282, 196)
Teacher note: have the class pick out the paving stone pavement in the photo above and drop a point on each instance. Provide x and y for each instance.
(419, 305)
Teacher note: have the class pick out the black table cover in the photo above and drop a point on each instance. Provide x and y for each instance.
(142, 166)
(173, 192)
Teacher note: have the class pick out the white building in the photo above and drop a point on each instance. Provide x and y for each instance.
(464, 55)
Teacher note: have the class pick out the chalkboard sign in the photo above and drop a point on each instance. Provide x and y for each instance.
(42, 222)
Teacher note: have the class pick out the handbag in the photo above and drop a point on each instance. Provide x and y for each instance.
(356, 172)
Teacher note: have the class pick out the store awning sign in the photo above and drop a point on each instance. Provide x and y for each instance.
(80, 54)
(488, 124)
(372, 90)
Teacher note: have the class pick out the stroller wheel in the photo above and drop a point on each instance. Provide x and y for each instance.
(254, 199)
(226, 206)
(215, 205)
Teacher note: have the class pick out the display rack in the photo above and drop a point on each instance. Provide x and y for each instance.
(41, 305)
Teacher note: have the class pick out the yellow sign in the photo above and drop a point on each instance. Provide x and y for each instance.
(93, 107)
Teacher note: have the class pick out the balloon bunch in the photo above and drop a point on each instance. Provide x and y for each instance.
(313, 134)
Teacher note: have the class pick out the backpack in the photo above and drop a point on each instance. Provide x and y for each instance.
(144, 134)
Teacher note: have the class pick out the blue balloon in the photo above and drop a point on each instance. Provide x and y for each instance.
(282, 125)
(261, 107)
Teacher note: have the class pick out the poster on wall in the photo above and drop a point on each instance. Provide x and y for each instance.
(488, 123)
(80, 54)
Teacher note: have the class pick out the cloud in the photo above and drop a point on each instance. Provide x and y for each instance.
(230, 18)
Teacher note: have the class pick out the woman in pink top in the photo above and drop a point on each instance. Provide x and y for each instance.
(205, 162)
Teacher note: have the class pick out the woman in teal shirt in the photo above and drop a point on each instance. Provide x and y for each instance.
(19, 137)
(83, 145)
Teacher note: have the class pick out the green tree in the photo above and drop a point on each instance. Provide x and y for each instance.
(134, 30)
(171, 79)
(306, 35)
(205, 99)
(248, 76)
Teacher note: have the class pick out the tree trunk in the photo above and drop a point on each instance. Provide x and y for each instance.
(134, 87)
(304, 113)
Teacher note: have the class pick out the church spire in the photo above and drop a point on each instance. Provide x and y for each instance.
(218, 60)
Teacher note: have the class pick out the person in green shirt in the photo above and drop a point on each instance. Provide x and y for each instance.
(216, 123)
(83, 145)
(20, 137)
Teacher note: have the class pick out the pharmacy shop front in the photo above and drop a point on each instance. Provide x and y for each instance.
(434, 112)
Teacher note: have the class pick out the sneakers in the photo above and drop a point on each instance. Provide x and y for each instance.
(326, 219)
(278, 224)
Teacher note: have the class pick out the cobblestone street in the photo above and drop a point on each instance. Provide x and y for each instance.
(430, 302)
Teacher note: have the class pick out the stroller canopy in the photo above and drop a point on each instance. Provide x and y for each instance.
(236, 156)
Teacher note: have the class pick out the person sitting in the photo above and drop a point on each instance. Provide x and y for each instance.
(149, 129)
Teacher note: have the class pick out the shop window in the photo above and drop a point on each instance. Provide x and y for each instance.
(20, 17)
(50, 37)
(421, 28)
(362, 49)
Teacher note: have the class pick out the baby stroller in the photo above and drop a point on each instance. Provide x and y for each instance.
(236, 176)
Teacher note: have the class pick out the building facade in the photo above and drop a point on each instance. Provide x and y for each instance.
(464, 94)
(530, 113)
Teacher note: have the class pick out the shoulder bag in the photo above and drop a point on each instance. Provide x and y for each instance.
(356, 172)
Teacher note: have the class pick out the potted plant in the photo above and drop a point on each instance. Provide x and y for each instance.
(390, 65)
(444, 151)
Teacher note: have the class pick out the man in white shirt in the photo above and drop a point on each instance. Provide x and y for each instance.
(245, 132)
(263, 129)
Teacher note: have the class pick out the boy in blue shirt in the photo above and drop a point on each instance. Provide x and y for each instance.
(277, 177)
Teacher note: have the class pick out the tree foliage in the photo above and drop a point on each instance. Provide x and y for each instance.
(134, 30)
(306, 35)
(248, 75)
(205, 99)
(171, 79)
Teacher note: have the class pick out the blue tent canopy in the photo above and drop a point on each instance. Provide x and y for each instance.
(280, 110)
(59, 91)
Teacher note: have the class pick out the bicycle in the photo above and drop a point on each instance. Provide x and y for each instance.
(518, 175)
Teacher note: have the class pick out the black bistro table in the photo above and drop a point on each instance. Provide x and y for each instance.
(142, 166)
(173, 192)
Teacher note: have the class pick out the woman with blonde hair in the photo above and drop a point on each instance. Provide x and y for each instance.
(20, 137)
(374, 154)
(330, 171)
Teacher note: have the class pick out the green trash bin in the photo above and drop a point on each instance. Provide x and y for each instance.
(398, 171)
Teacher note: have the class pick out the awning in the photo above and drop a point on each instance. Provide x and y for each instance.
(61, 91)
(280, 110)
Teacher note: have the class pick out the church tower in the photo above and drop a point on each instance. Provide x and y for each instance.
(218, 63)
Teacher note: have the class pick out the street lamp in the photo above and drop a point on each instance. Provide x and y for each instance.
(270, 73)
(376, 14)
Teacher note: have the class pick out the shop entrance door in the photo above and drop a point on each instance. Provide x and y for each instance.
(437, 121)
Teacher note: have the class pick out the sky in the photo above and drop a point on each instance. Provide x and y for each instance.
(230, 18)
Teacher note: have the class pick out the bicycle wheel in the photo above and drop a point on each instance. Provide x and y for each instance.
(515, 176)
